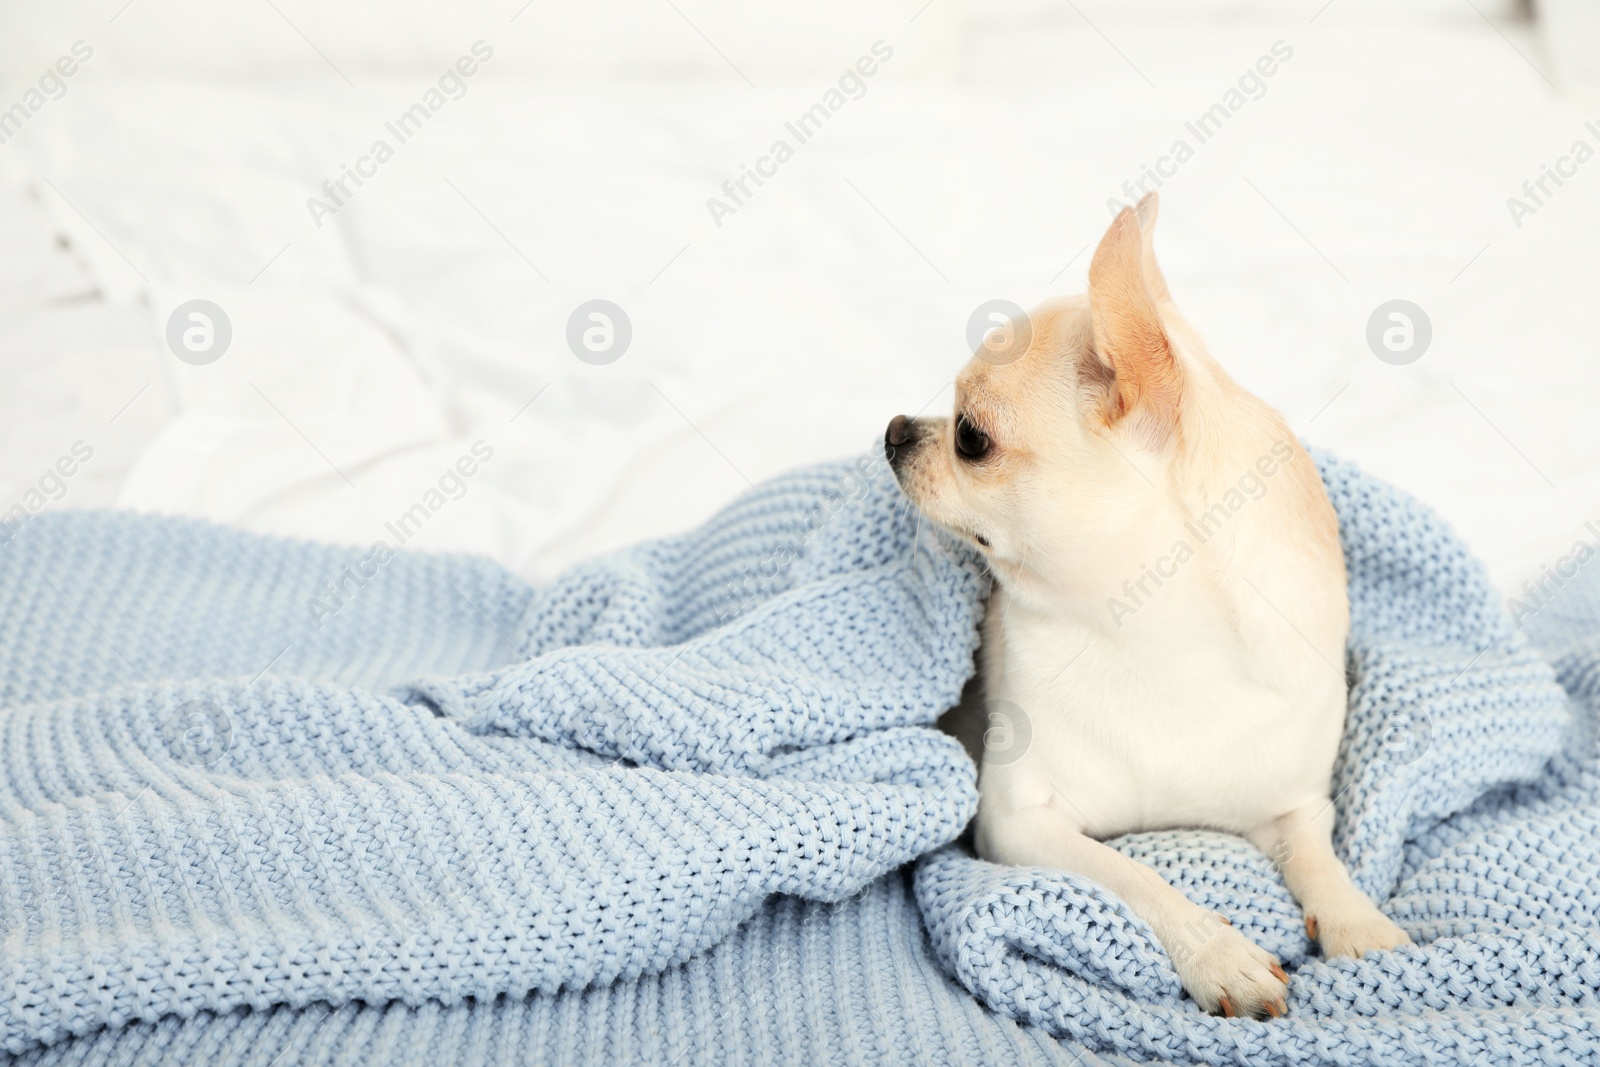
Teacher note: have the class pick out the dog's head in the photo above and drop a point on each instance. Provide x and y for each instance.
(1071, 463)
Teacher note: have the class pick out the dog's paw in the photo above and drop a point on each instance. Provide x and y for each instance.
(1226, 973)
(1355, 932)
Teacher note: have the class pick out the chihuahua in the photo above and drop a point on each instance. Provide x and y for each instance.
(1169, 613)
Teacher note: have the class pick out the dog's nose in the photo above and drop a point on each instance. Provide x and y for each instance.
(901, 432)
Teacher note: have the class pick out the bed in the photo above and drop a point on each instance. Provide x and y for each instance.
(390, 309)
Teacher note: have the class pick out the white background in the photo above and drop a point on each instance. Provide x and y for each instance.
(368, 354)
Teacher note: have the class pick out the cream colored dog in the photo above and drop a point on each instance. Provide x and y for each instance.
(1169, 613)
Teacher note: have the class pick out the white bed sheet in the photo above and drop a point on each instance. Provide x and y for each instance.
(371, 353)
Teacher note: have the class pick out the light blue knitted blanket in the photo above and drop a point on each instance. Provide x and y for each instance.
(220, 805)
(208, 802)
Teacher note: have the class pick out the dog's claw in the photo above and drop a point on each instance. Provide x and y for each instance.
(1274, 1009)
(1227, 974)
(1225, 920)
(1311, 927)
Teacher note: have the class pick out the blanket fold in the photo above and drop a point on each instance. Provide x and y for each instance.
(762, 684)
(608, 792)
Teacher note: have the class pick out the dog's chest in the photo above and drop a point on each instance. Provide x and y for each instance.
(1145, 739)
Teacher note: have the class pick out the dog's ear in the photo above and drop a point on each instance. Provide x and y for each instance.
(1128, 335)
(1148, 208)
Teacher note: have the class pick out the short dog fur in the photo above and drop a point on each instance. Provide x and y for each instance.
(1178, 651)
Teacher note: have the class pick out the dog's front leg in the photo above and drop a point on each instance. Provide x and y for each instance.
(1224, 971)
(1338, 915)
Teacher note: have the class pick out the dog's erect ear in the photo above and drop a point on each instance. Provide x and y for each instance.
(1128, 335)
(1149, 207)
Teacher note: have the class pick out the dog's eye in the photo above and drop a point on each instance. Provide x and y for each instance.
(971, 442)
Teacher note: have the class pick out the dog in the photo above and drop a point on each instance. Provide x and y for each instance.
(1168, 612)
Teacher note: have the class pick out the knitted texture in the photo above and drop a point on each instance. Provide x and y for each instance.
(543, 850)
(200, 812)
(1466, 797)
(802, 984)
